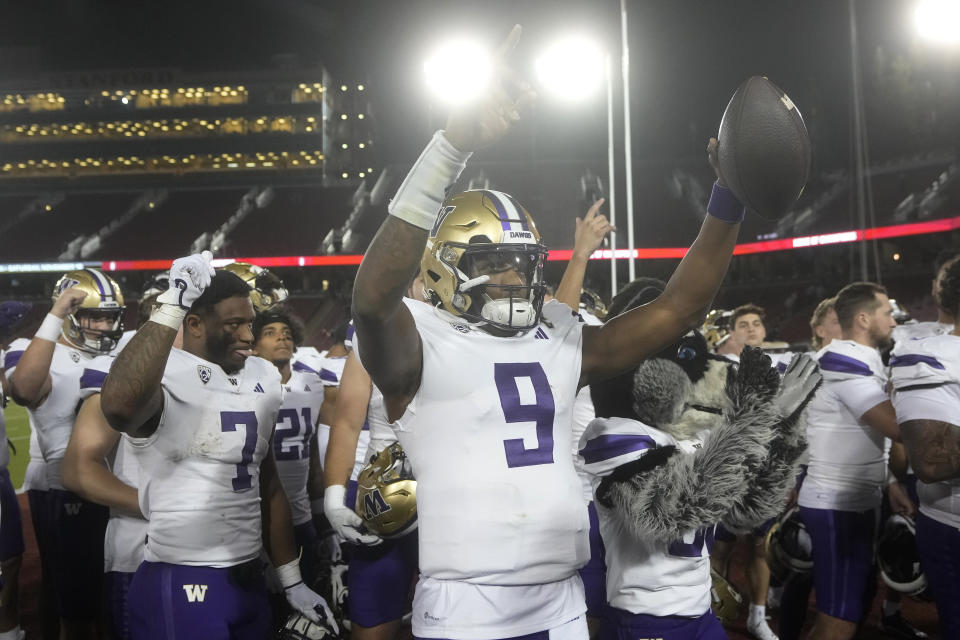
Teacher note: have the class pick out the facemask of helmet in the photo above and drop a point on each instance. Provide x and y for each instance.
(484, 262)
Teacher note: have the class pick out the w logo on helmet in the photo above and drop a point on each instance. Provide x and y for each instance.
(374, 504)
(443, 214)
(64, 284)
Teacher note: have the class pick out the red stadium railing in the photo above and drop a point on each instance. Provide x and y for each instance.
(655, 253)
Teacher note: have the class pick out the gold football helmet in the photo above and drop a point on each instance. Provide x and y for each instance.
(387, 494)
(789, 546)
(716, 328)
(266, 288)
(478, 234)
(104, 298)
(593, 303)
(725, 600)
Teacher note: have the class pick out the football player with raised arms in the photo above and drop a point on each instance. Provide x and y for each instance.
(46, 376)
(480, 393)
(201, 420)
(926, 380)
(100, 466)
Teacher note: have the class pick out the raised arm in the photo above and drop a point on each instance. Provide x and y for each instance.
(85, 470)
(30, 380)
(390, 346)
(132, 398)
(589, 235)
(623, 342)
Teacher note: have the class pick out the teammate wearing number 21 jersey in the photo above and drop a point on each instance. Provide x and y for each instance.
(200, 421)
(480, 392)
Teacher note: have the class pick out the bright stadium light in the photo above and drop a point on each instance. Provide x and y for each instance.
(572, 68)
(938, 20)
(457, 71)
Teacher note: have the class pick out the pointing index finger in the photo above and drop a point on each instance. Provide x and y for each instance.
(509, 43)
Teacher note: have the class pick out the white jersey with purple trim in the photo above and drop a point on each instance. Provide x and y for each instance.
(781, 360)
(201, 468)
(53, 419)
(309, 357)
(926, 381)
(296, 420)
(651, 578)
(332, 370)
(848, 458)
(488, 429)
(916, 330)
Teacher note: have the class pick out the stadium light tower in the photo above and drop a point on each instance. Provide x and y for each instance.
(457, 71)
(572, 69)
(938, 20)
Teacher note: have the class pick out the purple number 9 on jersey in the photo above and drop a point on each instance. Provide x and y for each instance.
(541, 411)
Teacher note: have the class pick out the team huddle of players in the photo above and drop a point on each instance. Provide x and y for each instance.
(533, 471)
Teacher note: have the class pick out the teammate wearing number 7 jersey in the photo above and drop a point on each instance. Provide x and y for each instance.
(480, 392)
(200, 421)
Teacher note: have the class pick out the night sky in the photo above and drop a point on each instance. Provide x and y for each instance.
(686, 57)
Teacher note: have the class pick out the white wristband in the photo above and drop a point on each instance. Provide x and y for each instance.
(50, 328)
(419, 198)
(335, 495)
(289, 574)
(169, 315)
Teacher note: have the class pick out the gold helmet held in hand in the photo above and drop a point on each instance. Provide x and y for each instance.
(387, 494)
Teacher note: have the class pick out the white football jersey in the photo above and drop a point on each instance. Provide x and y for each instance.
(35, 477)
(381, 433)
(53, 420)
(583, 413)
(926, 379)
(124, 340)
(645, 577)
(330, 370)
(201, 468)
(781, 360)
(296, 420)
(914, 330)
(308, 357)
(848, 458)
(125, 536)
(489, 437)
